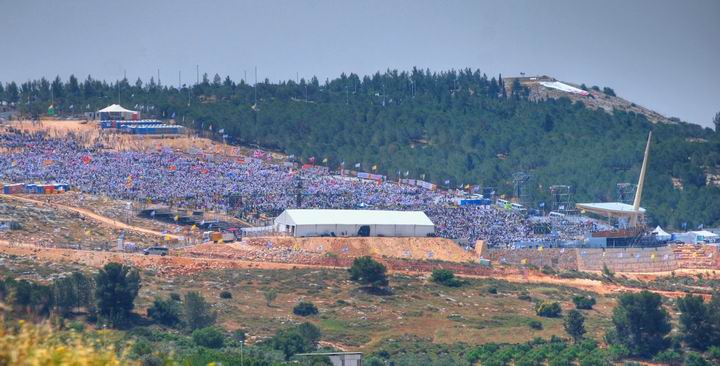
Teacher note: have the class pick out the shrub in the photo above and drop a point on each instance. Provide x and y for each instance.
(535, 324)
(444, 277)
(209, 337)
(607, 272)
(695, 359)
(165, 312)
(584, 302)
(175, 296)
(669, 357)
(270, 296)
(367, 271)
(524, 296)
(225, 295)
(299, 339)
(575, 325)
(492, 290)
(305, 309)
(197, 312)
(548, 309)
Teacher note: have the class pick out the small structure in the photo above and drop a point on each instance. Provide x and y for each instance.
(317, 222)
(116, 112)
(154, 129)
(338, 358)
(661, 234)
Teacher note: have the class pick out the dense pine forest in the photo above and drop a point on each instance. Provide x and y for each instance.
(458, 126)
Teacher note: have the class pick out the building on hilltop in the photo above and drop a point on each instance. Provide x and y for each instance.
(317, 222)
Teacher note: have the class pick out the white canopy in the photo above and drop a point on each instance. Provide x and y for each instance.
(705, 233)
(660, 233)
(353, 217)
(115, 108)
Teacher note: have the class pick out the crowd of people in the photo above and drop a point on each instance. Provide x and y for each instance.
(247, 186)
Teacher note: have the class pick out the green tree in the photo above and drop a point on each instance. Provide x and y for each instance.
(699, 322)
(548, 309)
(716, 122)
(575, 325)
(305, 309)
(444, 277)
(166, 312)
(270, 296)
(641, 324)
(117, 287)
(210, 337)
(367, 271)
(299, 339)
(197, 312)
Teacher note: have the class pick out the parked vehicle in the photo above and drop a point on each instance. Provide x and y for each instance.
(161, 251)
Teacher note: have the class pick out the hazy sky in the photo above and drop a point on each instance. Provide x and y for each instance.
(664, 55)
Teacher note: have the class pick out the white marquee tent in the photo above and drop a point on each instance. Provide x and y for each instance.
(315, 222)
(661, 234)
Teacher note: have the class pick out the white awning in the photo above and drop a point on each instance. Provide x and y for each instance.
(115, 108)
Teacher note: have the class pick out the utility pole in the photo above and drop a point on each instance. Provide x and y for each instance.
(158, 77)
(255, 87)
(197, 74)
(179, 78)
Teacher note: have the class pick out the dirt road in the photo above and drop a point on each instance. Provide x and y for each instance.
(179, 265)
(89, 214)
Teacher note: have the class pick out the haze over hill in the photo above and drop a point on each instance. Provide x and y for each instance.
(639, 48)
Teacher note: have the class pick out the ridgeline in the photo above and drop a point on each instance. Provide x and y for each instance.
(457, 126)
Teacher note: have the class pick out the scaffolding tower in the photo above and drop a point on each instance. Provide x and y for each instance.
(521, 189)
(626, 192)
(562, 199)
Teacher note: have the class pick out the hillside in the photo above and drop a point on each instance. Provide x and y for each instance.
(458, 126)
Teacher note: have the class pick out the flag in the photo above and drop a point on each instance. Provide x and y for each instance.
(311, 160)
(173, 115)
(222, 130)
(342, 163)
(357, 165)
(374, 167)
(172, 168)
(467, 186)
(447, 182)
(325, 161)
(540, 248)
(407, 172)
(86, 159)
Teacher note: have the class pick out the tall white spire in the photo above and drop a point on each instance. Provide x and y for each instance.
(641, 179)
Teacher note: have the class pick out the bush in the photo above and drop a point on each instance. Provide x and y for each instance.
(197, 312)
(299, 339)
(524, 296)
(225, 295)
(548, 309)
(270, 296)
(535, 324)
(367, 271)
(695, 359)
(117, 286)
(492, 290)
(175, 296)
(669, 357)
(584, 302)
(445, 277)
(609, 91)
(607, 272)
(165, 312)
(209, 337)
(305, 309)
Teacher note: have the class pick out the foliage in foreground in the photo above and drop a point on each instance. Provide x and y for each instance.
(32, 344)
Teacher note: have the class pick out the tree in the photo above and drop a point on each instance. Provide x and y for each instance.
(583, 302)
(305, 309)
(117, 287)
(270, 296)
(166, 312)
(716, 122)
(367, 271)
(197, 311)
(549, 123)
(548, 309)
(299, 339)
(575, 325)
(444, 277)
(609, 91)
(641, 324)
(699, 321)
(209, 337)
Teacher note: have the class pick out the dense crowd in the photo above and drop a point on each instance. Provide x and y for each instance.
(247, 186)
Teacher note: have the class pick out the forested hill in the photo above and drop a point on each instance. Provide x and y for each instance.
(459, 126)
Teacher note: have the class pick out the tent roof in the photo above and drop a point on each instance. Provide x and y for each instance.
(660, 232)
(705, 233)
(116, 108)
(609, 207)
(353, 217)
